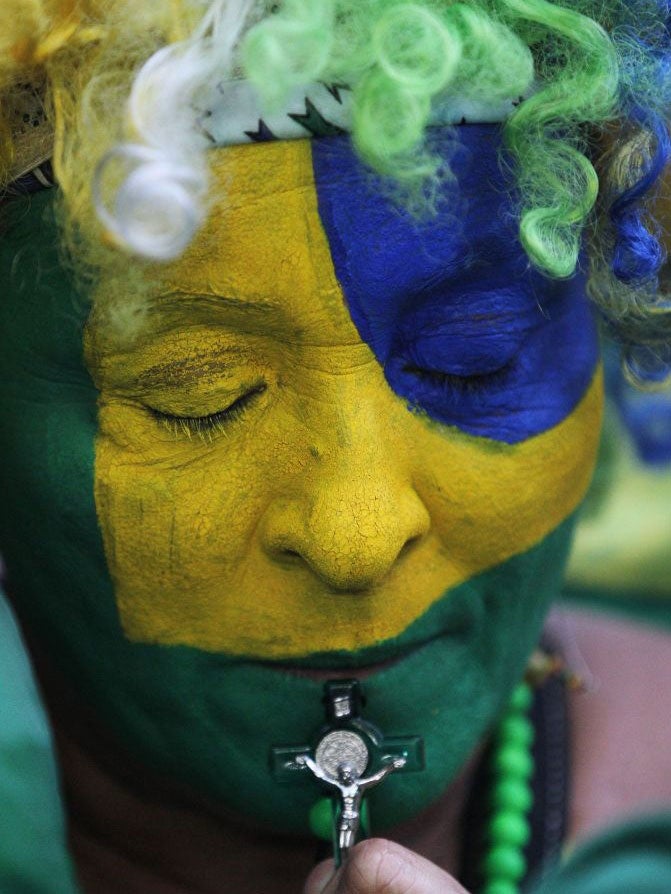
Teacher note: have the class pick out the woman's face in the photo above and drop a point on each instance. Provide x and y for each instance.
(346, 439)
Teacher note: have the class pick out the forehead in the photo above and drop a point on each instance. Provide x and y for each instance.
(262, 261)
(289, 218)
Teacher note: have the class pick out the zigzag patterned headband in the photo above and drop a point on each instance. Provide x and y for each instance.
(232, 114)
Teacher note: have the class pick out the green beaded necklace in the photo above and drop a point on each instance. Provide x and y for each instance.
(504, 865)
(508, 831)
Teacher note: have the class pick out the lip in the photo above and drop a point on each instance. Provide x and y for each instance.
(323, 672)
(321, 675)
(451, 622)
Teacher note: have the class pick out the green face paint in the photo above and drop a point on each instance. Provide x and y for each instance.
(206, 717)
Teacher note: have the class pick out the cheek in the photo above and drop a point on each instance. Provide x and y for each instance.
(177, 524)
(494, 500)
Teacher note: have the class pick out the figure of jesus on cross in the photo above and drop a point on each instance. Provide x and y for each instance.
(351, 788)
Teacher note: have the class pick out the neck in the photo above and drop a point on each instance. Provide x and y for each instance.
(131, 830)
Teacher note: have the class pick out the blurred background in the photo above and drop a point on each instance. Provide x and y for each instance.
(621, 558)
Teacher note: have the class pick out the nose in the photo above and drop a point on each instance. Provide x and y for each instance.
(353, 516)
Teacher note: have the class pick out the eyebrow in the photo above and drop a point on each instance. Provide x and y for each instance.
(175, 298)
(203, 365)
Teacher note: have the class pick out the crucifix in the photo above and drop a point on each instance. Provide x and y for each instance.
(348, 757)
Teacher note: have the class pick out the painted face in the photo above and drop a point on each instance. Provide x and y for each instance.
(345, 436)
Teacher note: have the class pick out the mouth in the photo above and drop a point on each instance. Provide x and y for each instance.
(446, 631)
(321, 675)
(321, 669)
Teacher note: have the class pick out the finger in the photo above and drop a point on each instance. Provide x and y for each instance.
(378, 866)
(323, 879)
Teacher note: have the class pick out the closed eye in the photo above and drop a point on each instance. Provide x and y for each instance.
(208, 425)
(455, 383)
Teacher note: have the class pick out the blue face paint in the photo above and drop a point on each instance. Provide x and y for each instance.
(462, 326)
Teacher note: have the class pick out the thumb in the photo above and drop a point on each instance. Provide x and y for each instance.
(377, 866)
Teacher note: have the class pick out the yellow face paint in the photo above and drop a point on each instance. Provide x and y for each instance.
(320, 513)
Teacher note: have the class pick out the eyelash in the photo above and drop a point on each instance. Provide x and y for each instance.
(207, 427)
(453, 384)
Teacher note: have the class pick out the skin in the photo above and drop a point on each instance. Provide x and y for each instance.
(343, 536)
(378, 865)
(324, 502)
(293, 516)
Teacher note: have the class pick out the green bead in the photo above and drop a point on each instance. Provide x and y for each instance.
(515, 729)
(505, 862)
(521, 698)
(509, 827)
(321, 819)
(512, 794)
(501, 886)
(514, 762)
